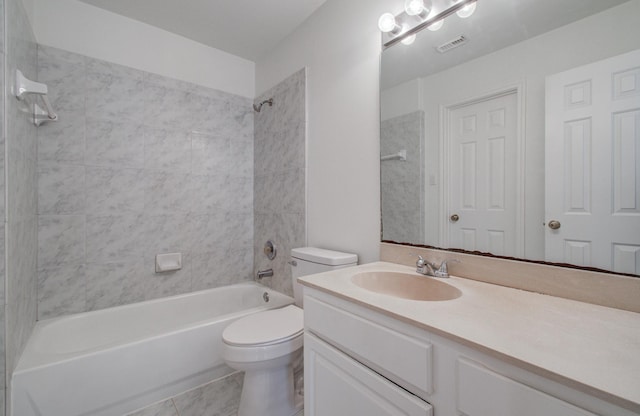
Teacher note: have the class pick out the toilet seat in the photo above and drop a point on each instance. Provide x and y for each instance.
(267, 328)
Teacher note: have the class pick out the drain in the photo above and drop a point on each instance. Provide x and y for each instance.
(265, 296)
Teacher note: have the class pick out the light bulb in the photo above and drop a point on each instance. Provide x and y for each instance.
(417, 7)
(409, 39)
(387, 23)
(467, 10)
(436, 25)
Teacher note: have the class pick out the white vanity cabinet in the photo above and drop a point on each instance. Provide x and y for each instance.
(482, 392)
(336, 384)
(362, 362)
(343, 378)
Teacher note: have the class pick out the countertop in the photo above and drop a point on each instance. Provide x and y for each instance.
(593, 348)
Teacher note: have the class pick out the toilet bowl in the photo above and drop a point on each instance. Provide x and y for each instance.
(267, 345)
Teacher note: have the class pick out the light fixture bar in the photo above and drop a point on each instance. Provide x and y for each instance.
(389, 39)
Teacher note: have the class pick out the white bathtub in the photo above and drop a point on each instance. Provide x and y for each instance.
(114, 361)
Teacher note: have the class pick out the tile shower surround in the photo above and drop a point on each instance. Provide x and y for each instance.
(135, 167)
(20, 249)
(138, 165)
(279, 182)
(402, 190)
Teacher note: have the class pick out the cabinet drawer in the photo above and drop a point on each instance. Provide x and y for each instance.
(338, 385)
(482, 392)
(404, 360)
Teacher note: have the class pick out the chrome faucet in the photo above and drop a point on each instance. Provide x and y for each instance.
(431, 269)
(264, 273)
(421, 266)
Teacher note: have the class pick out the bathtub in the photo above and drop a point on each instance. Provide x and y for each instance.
(117, 360)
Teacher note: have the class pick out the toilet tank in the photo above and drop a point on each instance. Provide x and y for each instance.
(311, 260)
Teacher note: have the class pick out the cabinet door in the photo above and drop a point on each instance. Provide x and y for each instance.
(337, 385)
(355, 334)
(482, 392)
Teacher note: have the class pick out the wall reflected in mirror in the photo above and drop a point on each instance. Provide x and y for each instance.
(524, 141)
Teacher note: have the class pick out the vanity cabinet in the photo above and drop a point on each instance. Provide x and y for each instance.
(482, 392)
(386, 349)
(336, 384)
(362, 362)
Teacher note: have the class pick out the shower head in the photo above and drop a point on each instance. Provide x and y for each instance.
(258, 107)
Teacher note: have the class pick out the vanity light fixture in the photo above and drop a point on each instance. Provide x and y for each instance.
(417, 8)
(387, 24)
(436, 26)
(420, 14)
(467, 10)
(409, 39)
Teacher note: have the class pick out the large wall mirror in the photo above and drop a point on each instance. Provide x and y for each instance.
(522, 139)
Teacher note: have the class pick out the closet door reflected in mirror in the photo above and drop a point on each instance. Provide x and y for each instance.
(524, 141)
(482, 177)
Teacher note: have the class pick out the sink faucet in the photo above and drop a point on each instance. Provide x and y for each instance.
(431, 269)
(423, 266)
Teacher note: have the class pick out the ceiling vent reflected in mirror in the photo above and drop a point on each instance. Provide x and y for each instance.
(452, 44)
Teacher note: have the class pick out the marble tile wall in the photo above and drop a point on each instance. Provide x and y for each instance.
(218, 398)
(138, 165)
(402, 182)
(279, 181)
(20, 221)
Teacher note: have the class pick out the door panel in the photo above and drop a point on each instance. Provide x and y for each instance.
(592, 168)
(483, 177)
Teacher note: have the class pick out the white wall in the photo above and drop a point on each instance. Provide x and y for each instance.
(91, 31)
(29, 8)
(340, 46)
(402, 99)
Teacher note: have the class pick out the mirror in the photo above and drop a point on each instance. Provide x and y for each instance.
(522, 139)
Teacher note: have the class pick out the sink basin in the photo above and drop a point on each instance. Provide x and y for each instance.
(406, 286)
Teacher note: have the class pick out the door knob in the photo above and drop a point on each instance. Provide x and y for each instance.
(454, 217)
(554, 224)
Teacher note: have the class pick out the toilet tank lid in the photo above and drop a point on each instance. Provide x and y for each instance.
(322, 256)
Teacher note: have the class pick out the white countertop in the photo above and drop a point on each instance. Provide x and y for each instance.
(594, 348)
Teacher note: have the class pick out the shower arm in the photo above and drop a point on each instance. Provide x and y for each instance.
(258, 107)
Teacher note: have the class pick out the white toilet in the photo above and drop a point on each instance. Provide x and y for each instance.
(265, 345)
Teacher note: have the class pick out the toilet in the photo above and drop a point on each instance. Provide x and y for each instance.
(265, 345)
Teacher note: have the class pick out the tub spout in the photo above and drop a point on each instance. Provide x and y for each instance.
(264, 273)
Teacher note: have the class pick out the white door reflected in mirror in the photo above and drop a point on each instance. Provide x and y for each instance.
(592, 144)
(482, 143)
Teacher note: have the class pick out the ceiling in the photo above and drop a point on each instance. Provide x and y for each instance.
(245, 28)
(496, 24)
